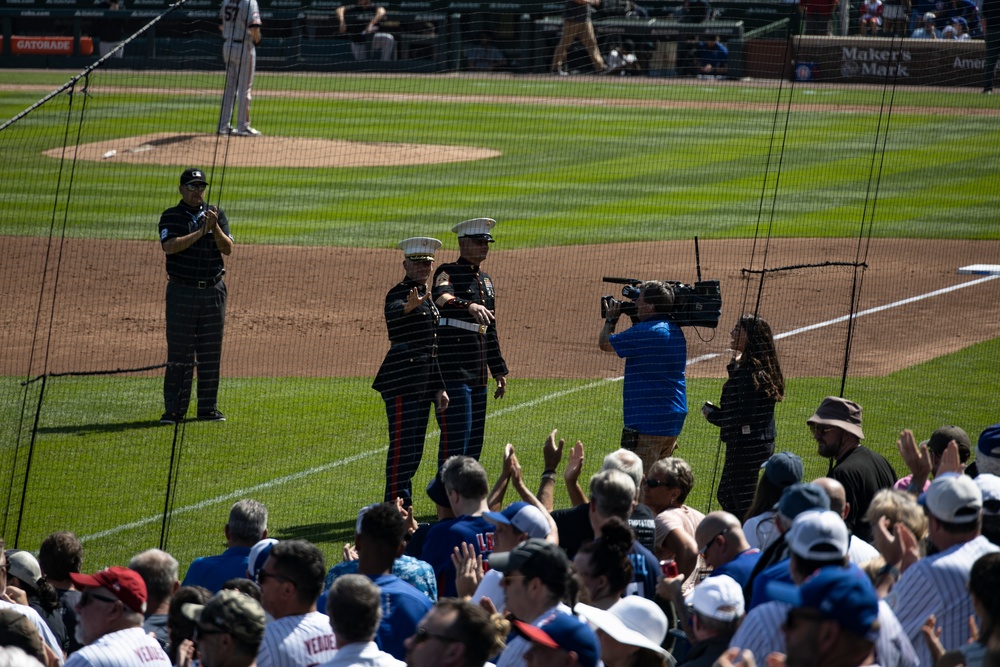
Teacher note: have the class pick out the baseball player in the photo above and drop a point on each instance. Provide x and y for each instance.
(111, 608)
(409, 379)
(468, 346)
(194, 238)
(241, 34)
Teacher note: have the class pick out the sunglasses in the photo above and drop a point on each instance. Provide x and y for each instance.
(264, 575)
(423, 634)
(819, 429)
(196, 187)
(797, 615)
(200, 632)
(654, 483)
(87, 596)
(708, 545)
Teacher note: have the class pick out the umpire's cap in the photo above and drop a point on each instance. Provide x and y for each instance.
(193, 176)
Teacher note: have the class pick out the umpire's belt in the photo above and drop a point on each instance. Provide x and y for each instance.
(461, 324)
(197, 284)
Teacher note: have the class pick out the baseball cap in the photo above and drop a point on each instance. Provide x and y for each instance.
(929, 16)
(535, 558)
(819, 535)
(24, 566)
(477, 228)
(784, 469)
(953, 499)
(633, 620)
(719, 598)
(193, 176)
(988, 450)
(839, 412)
(570, 633)
(522, 516)
(125, 584)
(419, 247)
(238, 614)
(939, 440)
(799, 498)
(840, 594)
(16, 631)
(258, 556)
(437, 492)
(961, 21)
(989, 485)
(361, 515)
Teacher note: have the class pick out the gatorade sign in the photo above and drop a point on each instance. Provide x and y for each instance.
(48, 46)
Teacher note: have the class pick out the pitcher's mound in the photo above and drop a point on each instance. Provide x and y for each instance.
(184, 149)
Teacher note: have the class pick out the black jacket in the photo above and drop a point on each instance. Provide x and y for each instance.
(466, 356)
(411, 365)
(745, 412)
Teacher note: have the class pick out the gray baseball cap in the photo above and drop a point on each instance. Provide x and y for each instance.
(238, 614)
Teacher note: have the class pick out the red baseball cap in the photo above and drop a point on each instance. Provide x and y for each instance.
(126, 585)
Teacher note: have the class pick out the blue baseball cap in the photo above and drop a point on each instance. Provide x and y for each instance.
(523, 517)
(799, 498)
(784, 469)
(840, 594)
(565, 631)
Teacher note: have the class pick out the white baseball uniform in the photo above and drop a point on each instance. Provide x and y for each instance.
(240, 56)
(297, 641)
(125, 648)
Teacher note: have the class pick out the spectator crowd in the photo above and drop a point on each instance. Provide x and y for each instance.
(855, 568)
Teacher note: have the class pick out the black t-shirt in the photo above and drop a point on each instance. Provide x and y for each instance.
(575, 530)
(67, 608)
(357, 19)
(202, 261)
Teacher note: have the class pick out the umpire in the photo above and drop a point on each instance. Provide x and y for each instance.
(470, 348)
(194, 237)
(410, 379)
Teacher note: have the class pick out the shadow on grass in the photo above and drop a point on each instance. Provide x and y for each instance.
(336, 531)
(82, 429)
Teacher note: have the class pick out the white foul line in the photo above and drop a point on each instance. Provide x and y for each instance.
(529, 404)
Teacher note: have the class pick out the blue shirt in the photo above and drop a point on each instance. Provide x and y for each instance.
(715, 55)
(655, 389)
(444, 536)
(402, 608)
(740, 567)
(780, 572)
(645, 571)
(213, 571)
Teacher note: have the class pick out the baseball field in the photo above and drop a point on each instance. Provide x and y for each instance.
(855, 200)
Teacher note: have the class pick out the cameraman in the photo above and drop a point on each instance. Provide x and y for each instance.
(655, 390)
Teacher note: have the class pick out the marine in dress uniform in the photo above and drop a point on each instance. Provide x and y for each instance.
(410, 379)
(469, 349)
(194, 238)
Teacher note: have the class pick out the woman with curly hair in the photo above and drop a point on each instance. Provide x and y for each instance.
(746, 411)
(604, 565)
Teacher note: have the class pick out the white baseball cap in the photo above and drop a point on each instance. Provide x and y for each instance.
(719, 598)
(953, 498)
(819, 535)
(633, 620)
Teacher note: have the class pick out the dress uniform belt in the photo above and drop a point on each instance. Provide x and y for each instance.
(461, 324)
(197, 284)
(236, 41)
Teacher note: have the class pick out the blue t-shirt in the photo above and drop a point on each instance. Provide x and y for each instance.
(780, 572)
(645, 571)
(715, 55)
(402, 608)
(740, 567)
(444, 536)
(213, 571)
(412, 570)
(655, 390)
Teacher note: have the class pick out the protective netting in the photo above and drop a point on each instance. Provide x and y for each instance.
(829, 195)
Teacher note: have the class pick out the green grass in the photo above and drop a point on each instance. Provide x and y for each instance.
(98, 464)
(564, 172)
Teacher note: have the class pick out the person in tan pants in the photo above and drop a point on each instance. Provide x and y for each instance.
(577, 25)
